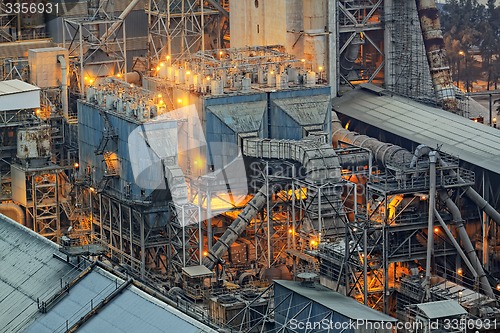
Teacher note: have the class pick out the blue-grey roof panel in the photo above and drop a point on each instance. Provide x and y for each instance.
(89, 291)
(135, 311)
(472, 142)
(28, 271)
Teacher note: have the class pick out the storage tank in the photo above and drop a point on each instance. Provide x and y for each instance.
(33, 145)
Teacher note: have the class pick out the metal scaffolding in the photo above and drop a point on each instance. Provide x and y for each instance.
(180, 28)
(410, 75)
(360, 50)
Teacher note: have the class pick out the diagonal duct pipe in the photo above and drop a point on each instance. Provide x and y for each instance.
(436, 55)
(321, 166)
(466, 243)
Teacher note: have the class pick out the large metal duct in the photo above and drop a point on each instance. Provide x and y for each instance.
(321, 166)
(236, 228)
(386, 152)
(436, 54)
(13, 208)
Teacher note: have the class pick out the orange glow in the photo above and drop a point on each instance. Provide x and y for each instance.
(76, 165)
(320, 68)
(303, 60)
(314, 243)
(460, 271)
(157, 68)
(161, 102)
(118, 75)
(159, 95)
(91, 189)
(188, 73)
(208, 78)
(179, 100)
(162, 64)
(168, 57)
(91, 81)
(436, 229)
(205, 253)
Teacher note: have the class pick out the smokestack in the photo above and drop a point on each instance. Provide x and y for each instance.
(436, 54)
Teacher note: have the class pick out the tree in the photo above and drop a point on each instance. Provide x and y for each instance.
(468, 27)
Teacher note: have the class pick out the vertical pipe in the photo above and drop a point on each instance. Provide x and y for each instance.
(131, 240)
(120, 230)
(82, 73)
(209, 220)
(143, 248)
(110, 216)
(365, 265)
(64, 85)
(268, 208)
(430, 223)
(485, 227)
(200, 236)
(293, 208)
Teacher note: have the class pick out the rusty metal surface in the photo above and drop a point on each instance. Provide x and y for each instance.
(436, 54)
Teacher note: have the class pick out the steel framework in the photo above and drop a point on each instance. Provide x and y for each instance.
(358, 23)
(180, 28)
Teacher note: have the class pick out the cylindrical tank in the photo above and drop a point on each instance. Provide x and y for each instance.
(163, 72)
(310, 78)
(271, 78)
(110, 100)
(292, 75)
(170, 73)
(91, 94)
(216, 87)
(33, 144)
(281, 81)
(180, 76)
(246, 84)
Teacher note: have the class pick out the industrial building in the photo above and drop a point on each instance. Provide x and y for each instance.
(241, 166)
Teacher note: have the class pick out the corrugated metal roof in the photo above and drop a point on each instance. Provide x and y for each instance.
(131, 311)
(441, 309)
(306, 110)
(472, 142)
(28, 271)
(15, 87)
(240, 117)
(135, 311)
(330, 299)
(95, 286)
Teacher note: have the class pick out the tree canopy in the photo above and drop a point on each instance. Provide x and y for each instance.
(469, 29)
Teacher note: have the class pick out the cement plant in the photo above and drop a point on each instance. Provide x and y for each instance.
(244, 166)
